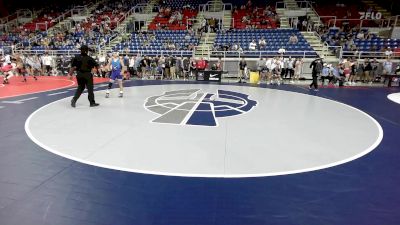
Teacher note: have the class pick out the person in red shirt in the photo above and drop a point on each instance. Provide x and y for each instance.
(201, 64)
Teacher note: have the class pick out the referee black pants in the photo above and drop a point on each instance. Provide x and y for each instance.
(85, 80)
(315, 81)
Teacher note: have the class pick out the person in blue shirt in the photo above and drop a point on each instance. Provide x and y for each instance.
(117, 68)
(325, 74)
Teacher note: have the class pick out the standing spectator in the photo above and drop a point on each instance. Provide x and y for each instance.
(290, 67)
(186, 68)
(193, 67)
(167, 68)
(47, 62)
(387, 66)
(131, 66)
(374, 71)
(201, 64)
(172, 67)
(220, 66)
(353, 72)
(143, 67)
(298, 66)
(153, 66)
(242, 70)
(179, 67)
(367, 71)
(138, 62)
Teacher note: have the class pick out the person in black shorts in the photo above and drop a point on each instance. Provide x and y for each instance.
(83, 64)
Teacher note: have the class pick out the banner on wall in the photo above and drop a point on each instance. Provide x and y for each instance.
(370, 15)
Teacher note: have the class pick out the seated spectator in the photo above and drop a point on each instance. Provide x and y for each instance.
(262, 42)
(235, 47)
(293, 39)
(246, 19)
(252, 45)
(187, 36)
(360, 35)
(281, 51)
(388, 52)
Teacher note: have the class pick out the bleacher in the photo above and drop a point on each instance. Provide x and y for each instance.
(158, 46)
(364, 44)
(350, 11)
(177, 25)
(43, 22)
(256, 20)
(180, 4)
(276, 39)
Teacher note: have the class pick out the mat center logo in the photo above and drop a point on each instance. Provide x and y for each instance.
(193, 107)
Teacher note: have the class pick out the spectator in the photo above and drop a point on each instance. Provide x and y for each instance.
(293, 39)
(242, 70)
(262, 42)
(367, 69)
(388, 52)
(47, 62)
(387, 66)
(252, 45)
(201, 64)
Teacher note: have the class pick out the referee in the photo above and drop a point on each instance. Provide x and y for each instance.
(83, 64)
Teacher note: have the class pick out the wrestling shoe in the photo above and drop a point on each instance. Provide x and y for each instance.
(73, 103)
(107, 94)
(94, 104)
(121, 94)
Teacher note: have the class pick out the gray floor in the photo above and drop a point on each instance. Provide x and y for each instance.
(285, 133)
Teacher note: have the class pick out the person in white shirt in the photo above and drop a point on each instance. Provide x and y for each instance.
(131, 65)
(268, 65)
(47, 62)
(388, 52)
(360, 35)
(276, 71)
(252, 45)
(281, 51)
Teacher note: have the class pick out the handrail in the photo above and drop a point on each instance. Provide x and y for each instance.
(50, 52)
(382, 21)
(15, 16)
(368, 54)
(35, 38)
(327, 47)
(261, 54)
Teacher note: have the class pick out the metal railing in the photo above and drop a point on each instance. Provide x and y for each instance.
(361, 22)
(50, 52)
(19, 13)
(368, 54)
(338, 50)
(211, 7)
(261, 54)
